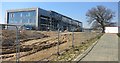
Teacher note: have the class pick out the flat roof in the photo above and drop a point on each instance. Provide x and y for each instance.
(23, 9)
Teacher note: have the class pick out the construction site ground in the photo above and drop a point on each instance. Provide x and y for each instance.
(41, 48)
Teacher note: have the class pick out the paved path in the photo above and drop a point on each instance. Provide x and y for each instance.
(105, 50)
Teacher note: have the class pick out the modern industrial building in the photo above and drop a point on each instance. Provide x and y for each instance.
(43, 20)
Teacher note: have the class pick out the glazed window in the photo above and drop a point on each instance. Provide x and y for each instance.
(12, 15)
(20, 14)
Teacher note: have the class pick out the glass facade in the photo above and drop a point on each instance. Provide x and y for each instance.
(45, 20)
(44, 23)
(22, 17)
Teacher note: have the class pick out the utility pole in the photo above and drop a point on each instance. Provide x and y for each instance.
(58, 40)
(73, 37)
(50, 23)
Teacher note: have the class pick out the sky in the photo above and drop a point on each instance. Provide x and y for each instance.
(75, 10)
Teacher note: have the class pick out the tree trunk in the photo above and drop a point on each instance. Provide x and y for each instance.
(103, 29)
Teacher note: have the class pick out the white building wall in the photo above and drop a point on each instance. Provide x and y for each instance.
(111, 29)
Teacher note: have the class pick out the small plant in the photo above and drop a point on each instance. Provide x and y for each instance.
(73, 52)
(118, 34)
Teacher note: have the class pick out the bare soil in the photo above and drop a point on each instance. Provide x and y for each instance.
(36, 45)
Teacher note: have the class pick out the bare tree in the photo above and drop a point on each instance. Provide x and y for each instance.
(100, 16)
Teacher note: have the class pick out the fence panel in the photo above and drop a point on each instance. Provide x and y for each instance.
(9, 44)
(40, 45)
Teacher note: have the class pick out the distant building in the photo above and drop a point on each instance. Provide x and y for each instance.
(92, 30)
(87, 29)
(2, 27)
(43, 20)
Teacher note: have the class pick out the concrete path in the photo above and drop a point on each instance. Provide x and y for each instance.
(105, 50)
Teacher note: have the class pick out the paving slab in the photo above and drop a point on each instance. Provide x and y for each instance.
(105, 50)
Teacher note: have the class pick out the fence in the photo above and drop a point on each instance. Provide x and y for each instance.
(8, 42)
(39, 45)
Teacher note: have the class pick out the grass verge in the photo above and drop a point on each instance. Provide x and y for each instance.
(71, 53)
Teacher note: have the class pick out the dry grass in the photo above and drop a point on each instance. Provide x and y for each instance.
(52, 50)
(9, 37)
(36, 49)
(71, 53)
